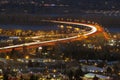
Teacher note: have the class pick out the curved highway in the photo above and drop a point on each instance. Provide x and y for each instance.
(93, 30)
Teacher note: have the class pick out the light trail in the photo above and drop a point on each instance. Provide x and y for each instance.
(92, 31)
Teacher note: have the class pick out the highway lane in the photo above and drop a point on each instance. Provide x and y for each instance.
(92, 31)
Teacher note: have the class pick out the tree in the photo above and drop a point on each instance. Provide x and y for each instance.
(70, 74)
(109, 70)
(95, 78)
(78, 73)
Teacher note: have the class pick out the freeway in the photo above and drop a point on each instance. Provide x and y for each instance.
(93, 30)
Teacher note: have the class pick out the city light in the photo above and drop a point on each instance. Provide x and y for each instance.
(59, 39)
(7, 57)
(26, 57)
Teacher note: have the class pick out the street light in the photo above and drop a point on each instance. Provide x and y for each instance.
(27, 57)
(7, 57)
(54, 70)
(77, 29)
(62, 26)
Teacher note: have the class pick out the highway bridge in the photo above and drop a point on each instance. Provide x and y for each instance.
(94, 29)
